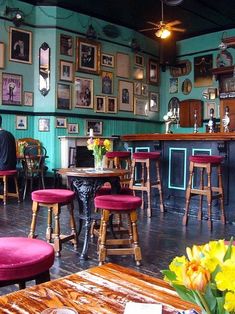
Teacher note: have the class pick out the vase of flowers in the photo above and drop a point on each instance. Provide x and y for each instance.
(99, 148)
(206, 276)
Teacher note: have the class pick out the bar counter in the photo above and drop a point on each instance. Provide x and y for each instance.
(175, 151)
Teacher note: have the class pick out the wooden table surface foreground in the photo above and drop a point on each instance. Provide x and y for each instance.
(102, 289)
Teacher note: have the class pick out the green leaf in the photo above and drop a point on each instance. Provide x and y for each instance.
(169, 274)
(220, 306)
(184, 293)
(229, 250)
(210, 298)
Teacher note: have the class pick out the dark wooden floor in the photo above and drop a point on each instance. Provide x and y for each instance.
(161, 238)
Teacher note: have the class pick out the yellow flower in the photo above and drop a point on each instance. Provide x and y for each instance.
(107, 144)
(225, 279)
(176, 266)
(229, 303)
(195, 276)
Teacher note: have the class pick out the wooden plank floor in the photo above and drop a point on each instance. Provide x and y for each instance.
(161, 238)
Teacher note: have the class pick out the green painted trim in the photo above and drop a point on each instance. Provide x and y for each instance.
(169, 171)
(142, 149)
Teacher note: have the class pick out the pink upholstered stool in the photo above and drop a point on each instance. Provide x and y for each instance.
(54, 199)
(121, 204)
(143, 183)
(24, 259)
(4, 176)
(205, 163)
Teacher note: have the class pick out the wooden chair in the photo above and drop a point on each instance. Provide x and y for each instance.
(5, 175)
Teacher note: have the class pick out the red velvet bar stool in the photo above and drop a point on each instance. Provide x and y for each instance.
(24, 259)
(143, 183)
(205, 163)
(54, 199)
(124, 205)
(5, 175)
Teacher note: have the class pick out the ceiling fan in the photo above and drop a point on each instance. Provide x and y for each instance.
(163, 29)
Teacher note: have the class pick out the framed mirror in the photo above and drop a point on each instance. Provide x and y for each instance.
(44, 69)
(186, 87)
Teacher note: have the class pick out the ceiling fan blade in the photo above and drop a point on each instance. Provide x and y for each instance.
(177, 29)
(174, 23)
(155, 24)
(148, 29)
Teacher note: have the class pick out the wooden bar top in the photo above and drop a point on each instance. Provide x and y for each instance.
(102, 289)
(180, 137)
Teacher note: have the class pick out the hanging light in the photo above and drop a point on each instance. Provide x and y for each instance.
(16, 14)
(163, 33)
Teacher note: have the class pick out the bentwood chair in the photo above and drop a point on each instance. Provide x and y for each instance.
(34, 166)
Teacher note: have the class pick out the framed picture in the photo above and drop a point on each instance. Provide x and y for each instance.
(83, 89)
(173, 86)
(66, 45)
(61, 122)
(28, 99)
(138, 73)
(88, 56)
(100, 103)
(44, 125)
(203, 70)
(2, 55)
(141, 106)
(95, 125)
(153, 72)
(107, 60)
(154, 103)
(207, 107)
(111, 105)
(137, 88)
(125, 95)
(139, 60)
(20, 45)
(21, 123)
(63, 96)
(73, 128)
(12, 86)
(66, 71)
(144, 90)
(123, 65)
(107, 82)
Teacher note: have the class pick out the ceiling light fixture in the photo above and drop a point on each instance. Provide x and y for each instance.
(16, 14)
(163, 33)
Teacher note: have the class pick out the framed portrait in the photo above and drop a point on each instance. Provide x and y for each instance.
(137, 88)
(66, 45)
(61, 122)
(66, 71)
(203, 70)
(100, 103)
(107, 82)
(154, 103)
(141, 106)
(63, 96)
(44, 125)
(173, 85)
(96, 125)
(138, 73)
(88, 56)
(107, 60)
(73, 128)
(21, 123)
(2, 55)
(207, 107)
(111, 105)
(153, 72)
(123, 65)
(20, 45)
(144, 90)
(125, 95)
(139, 60)
(28, 99)
(83, 89)
(12, 86)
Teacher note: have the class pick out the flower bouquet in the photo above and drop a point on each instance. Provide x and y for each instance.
(206, 277)
(99, 147)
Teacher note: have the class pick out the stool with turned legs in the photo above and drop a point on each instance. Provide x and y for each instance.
(205, 164)
(5, 175)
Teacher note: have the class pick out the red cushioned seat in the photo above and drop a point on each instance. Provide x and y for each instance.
(53, 196)
(22, 258)
(206, 159)
(105, 190)
(117, 154)
(118, 202)
(144, 155)
(8, 172)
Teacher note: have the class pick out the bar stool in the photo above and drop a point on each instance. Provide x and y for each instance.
(122, 204)
(23, 259)
(54, 199)
(144, 184)
(4, 176)
(205, 163)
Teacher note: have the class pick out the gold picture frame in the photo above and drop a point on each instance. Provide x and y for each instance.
(83, 93)
(20, 45)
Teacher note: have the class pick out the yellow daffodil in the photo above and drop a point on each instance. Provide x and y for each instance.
(225, 279)
(229, 303)
(176, 266)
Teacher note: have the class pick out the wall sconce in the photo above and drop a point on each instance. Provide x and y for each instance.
(16, 14)
(91, 33)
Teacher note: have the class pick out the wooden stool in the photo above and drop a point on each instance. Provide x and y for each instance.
(54, 199)
(144, 184)
(203, 163)
(122, 204)
(4, 176)
(23, 259)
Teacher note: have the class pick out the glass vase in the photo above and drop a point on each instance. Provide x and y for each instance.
(98, 162)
